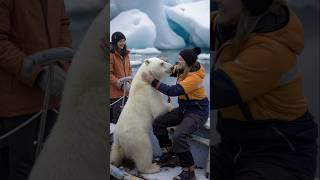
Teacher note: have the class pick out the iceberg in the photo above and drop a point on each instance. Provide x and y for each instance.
(139, 30)
(166, 38)
(194, 19)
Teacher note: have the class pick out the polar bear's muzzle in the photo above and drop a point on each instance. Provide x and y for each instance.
(170, 68)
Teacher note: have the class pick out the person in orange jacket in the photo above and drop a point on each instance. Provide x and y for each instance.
(120, 68)
(265, 127)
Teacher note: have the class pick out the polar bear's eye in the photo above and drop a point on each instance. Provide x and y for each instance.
(162, 63)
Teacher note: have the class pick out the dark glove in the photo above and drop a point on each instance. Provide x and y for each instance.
(57, 85)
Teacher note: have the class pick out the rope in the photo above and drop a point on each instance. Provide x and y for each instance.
(125, 80)
(116, 101)
(20, 126)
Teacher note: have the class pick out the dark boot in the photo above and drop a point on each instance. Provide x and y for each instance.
(168, 159)
(186, 174)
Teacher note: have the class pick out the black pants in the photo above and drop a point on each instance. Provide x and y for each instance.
(265, 151)
(115, 109)
(18, 157)
(187, 124)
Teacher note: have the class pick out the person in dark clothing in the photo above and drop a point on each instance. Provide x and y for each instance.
(266, 129)
(28, 28)
(192, 113)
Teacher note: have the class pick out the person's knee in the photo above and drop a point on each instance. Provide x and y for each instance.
(178, 137)
(158, 125)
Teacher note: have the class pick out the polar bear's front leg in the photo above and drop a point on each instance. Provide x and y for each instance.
(159, 109)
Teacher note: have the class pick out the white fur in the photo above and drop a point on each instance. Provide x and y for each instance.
(76, 149)
(131, 136)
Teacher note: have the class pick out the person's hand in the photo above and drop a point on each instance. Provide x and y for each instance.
(120, 84)
(126, 87)
(121, 81)
(175, 69)
(57, 85)
(146, 77)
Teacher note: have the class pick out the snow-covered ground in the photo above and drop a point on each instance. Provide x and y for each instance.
(152, 51)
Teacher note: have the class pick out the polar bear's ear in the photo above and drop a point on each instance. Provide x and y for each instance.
(147, 61)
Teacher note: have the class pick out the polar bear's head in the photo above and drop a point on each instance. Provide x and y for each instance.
(158, 68)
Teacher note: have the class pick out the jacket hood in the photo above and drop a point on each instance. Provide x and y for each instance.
(199, 71)
(284, 27)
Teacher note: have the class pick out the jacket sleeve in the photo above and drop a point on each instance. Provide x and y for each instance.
(11, 56)
(113, 78)
(174, 90)
(223, 91)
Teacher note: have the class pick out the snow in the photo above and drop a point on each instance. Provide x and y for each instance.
(169, 173)
(204, 56)
(145, 51)
(166, 38)
(139, 30)
(175, 2)
(135, 62)
(194, 18)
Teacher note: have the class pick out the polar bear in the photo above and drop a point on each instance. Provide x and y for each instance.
(77, 146)
(131, 134)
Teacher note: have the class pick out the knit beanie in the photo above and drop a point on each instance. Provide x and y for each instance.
(190, 56)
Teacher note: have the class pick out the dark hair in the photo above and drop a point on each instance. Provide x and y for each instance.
(115, 38)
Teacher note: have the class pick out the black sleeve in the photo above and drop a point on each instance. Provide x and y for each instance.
(223, 91)
(174, 90)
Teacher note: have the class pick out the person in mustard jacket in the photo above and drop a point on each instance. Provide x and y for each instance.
(119, 68)
(192, 113)
(266, 129)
